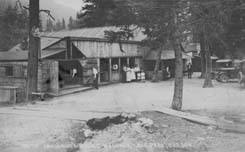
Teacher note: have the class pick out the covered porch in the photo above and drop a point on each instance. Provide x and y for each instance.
(167, 61)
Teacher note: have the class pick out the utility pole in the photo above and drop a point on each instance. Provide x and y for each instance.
(34, 48)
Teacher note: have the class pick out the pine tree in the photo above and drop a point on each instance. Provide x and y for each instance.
(14, 27)
(58, 25)
(71, 23)
(63, 24)
(49, 26)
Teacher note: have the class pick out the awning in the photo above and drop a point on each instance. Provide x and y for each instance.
(14, 56)
(48, 53)
(23, 55)
(105, 50)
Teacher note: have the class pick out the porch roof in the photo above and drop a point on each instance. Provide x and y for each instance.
(23, 55)
(96, 33)
(14, 56)
(45, 41)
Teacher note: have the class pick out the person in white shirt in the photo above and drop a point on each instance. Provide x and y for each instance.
(128, 74)
(74, 72)
(124, 76)
(132, 74)
(95, 76)
(137, 72)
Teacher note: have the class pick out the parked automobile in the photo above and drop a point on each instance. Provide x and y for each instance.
(227, 70)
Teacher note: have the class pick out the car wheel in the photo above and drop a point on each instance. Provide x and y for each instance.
(223, 78)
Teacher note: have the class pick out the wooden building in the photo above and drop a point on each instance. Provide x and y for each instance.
(87, 48)
(64, 51)
(13, 72)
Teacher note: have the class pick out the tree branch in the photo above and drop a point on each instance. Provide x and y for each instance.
(47, 12)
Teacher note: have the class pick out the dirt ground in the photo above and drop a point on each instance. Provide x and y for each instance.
(134, 97)
(29, 133)
(169, 134)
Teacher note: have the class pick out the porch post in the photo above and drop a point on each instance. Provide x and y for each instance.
(120, 69)
(98, 66)
(127, 61)
(110, 69)
(68, 48)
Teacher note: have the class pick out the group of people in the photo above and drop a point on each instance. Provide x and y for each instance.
(132, 74)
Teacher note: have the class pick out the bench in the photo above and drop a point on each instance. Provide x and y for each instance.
(39, 94)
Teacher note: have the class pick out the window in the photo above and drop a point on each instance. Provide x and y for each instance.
(9, 71)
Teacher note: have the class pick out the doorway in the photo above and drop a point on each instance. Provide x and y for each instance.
(70, 72)
(104, 70)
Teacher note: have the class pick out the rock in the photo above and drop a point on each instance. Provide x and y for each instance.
(145, 122)
(88, 133)
(98, 123)
(130, 117)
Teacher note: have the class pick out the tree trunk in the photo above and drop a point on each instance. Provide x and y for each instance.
(178, 85)
(157, 65)
(202, 56)
(34, 49)
(208, 80)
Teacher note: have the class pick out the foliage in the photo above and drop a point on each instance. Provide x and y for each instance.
(215, 20)
(235, 34)
(13, 26)
(63, 24)
(118, 36)
(96, 13)
(49, 25)
(72, 24)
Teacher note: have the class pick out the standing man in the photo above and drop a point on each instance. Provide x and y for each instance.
(95, 76)
(189, 70)
(74, 72)
(124, 76)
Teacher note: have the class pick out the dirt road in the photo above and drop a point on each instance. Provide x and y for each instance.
(18, 132)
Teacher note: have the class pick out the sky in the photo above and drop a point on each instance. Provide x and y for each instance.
(74, 4)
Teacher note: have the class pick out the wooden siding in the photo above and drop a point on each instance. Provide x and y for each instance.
(19, 69)
(107, 50)
(20, 83)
